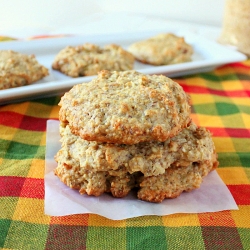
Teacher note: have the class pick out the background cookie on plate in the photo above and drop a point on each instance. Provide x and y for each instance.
(126, 107)
(162, 49)
(17, 69)
(88, 59)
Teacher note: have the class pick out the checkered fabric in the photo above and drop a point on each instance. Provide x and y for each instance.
(220, 102)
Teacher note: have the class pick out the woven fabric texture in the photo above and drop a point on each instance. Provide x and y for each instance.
(220, 102)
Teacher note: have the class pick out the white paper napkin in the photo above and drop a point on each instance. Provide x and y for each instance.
(212, 196)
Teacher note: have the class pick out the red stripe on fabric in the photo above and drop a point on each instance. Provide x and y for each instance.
(16, 120)
(240, 193)
(191, 89)
(21, 187)
(230, 132)
(194, 89)
(33, 123)
(10, 119)
(239, 65)
(11, 185)
(33, 188)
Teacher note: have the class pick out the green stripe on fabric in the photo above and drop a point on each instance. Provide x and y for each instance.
(245, 237)
(184, 238)
(151, 237)
(102, 238)
(65, 237)
(218, 78)
(7, 207)
(16, 150)
(4, 144)
(226, 108)
(218, 108)
(48, 101)
(234, 159)
(4, 228)
(244, 158)
(244, 108)
(206, 109)
(229, 159)
(23, 235)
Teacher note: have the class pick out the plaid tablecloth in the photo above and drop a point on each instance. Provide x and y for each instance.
(220, 102)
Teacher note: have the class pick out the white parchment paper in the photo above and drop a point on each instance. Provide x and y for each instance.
(212, 196)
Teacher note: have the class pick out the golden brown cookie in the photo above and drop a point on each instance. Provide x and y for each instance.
(158, 170)
(192, 144)
(17, 69)
(162, 49)
(175, 181)
(126, 107)
(88, 59)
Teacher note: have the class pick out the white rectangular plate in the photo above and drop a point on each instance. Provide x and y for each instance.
(207, 56)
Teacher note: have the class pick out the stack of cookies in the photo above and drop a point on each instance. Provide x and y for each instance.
(126, 130)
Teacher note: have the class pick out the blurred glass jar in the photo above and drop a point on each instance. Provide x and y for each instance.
(236, 25)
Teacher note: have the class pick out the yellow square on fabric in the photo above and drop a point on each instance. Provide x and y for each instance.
(7, 133)
(233, 175)
(19, 167)
(20, 108)
(197, 81)
(242, 216)
(223, 144)
(98, 221)
(233, 121)
(201, 99)
(181, 220)
(208, 121)
(240, 100)
(31, 210)
(36, 169)
(54, 114)
(145, 221)
(230, 85)
(246, 120)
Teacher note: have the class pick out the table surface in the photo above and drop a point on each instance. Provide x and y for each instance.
(220, 102)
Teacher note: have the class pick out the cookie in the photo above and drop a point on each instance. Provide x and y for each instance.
(88, 59)
(192, 144)
(174, 181)
(158, 171)
(126, 107)
(17, 69)
(162, 49)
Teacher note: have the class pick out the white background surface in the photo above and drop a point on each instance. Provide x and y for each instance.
(32, 17)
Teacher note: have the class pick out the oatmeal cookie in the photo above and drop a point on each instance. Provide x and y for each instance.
(158, 171)
(162, 49)
(17, 69)
(119, 183)
(88, 59)
(192, 144)
(126, 107)
(174, 181)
